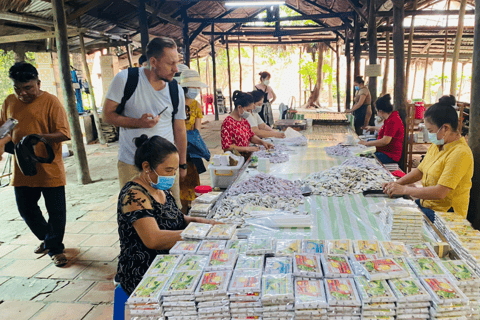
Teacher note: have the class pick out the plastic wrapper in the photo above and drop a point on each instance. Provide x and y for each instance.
(310, 294)
(196, 230)
(281, 220)
(287, 247)
(182, 283)
(409, 290)
(394, 249)
(339, 247)
(277, 289)
(427, 267)
(163, 265)
(342, 292)
(402, 262)
(444, 291)
(374, 291)
(239, 245)
(192, 263)
(246, 282)
(382, 269)
(207, 246)
(185, 247)
(336, 266)
(214, 283)
(201, 209)
(260, 246)
(222, 231)
(464, 275)
(423, 250)
(148, 290)
(357, 257)
(249, 262)
(278, 265)
(223, 259)
(370, 248)
(307, 265)
(313, 246)
(210, 197)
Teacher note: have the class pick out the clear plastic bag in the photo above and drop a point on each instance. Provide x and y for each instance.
(307, 265)
(310, 294)
(214, 283)
(163, 265)
(223, 259)
(196, 230)
(287, 247)
(277, 289)
(278, 265)
(249, 262)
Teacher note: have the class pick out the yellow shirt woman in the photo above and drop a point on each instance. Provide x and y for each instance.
(446, 171)
(451, 167)
(193, 111)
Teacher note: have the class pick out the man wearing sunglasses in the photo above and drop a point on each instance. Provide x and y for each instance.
(39, 112)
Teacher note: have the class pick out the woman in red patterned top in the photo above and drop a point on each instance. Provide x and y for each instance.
(390, 138)
(236, 131)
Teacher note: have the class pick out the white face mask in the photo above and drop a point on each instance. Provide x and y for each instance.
(266, 82)
(257, 109)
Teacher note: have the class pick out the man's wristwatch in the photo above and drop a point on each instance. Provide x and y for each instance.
(183, 166)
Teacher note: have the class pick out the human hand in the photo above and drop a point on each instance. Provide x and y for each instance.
(280, 135)
(363, 143)
(148, 121)
(368, 128)
(268, 145)
(393, 189)
(348, 111)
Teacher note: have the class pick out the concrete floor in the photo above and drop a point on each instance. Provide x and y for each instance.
(31, 287)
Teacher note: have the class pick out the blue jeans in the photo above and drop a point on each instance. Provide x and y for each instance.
(50, 232)
(428, 212)
(383, 158)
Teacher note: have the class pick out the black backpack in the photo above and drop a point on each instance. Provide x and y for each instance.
(131, 86)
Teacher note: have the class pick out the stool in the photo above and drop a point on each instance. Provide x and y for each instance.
(119, 300)
(208, 101)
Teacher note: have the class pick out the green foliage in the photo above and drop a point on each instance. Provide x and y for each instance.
(7, 59)
(274, 55)
(308, 71)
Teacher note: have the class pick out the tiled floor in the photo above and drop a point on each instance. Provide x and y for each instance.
(31, 287)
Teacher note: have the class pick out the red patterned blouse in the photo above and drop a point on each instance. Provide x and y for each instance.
(236, 132)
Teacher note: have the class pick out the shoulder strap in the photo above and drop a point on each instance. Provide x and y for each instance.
(130, 87)
(173, 88)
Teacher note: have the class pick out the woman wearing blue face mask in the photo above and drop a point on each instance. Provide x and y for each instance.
(260, 128)
(236, 132)
(447, 169)
(191, 84)
(362, 109)
(149, 221)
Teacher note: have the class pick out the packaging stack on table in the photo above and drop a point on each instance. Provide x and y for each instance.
(245, 294)
(403, 223)
(146, 299)
(343, 299)
(468, 282)
(310, 299)
(449, 302)
(179, 295)
(277, 292)
(201, 206)
(461, 236)
(377, 298)
(211, 295)
(413, 301)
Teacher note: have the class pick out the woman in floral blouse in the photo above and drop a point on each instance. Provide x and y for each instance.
(236, 131)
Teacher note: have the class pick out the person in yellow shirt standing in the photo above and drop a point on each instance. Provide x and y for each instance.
(447, 169)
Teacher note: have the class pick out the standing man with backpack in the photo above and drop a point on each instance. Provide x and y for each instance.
(148, 101)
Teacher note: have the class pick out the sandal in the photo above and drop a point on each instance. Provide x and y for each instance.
(59, 260)
(41, 248)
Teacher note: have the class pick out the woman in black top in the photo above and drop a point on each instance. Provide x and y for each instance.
(149, 221)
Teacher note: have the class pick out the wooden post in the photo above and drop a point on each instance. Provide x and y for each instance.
(240, 62)
(214, 73)
(330, 83)
(386, 71)
(357, 50)
(348, 90)
(300, 76)
(410, 46)
(414, 79)
(253, 65)
(445, 49)
(372, 47)
(425, 76)
(456, 48)
(129, 55)
(338, 77)
(60, 23)
(474, 127)
(199, 75)
(229, 75)
(207, 74)
(400, 101)
(461, 82)
(98, 122)
(186, 39)
(143, 22)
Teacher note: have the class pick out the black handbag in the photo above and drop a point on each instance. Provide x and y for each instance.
(25, 154)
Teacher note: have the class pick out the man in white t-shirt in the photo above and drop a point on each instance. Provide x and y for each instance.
(149, 110)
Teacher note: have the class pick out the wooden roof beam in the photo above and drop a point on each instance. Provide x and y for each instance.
(358, 11)
(160, 15)
(33, 36)
(79, 12)
(426, 13)
(295, 18)
(281, 33)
